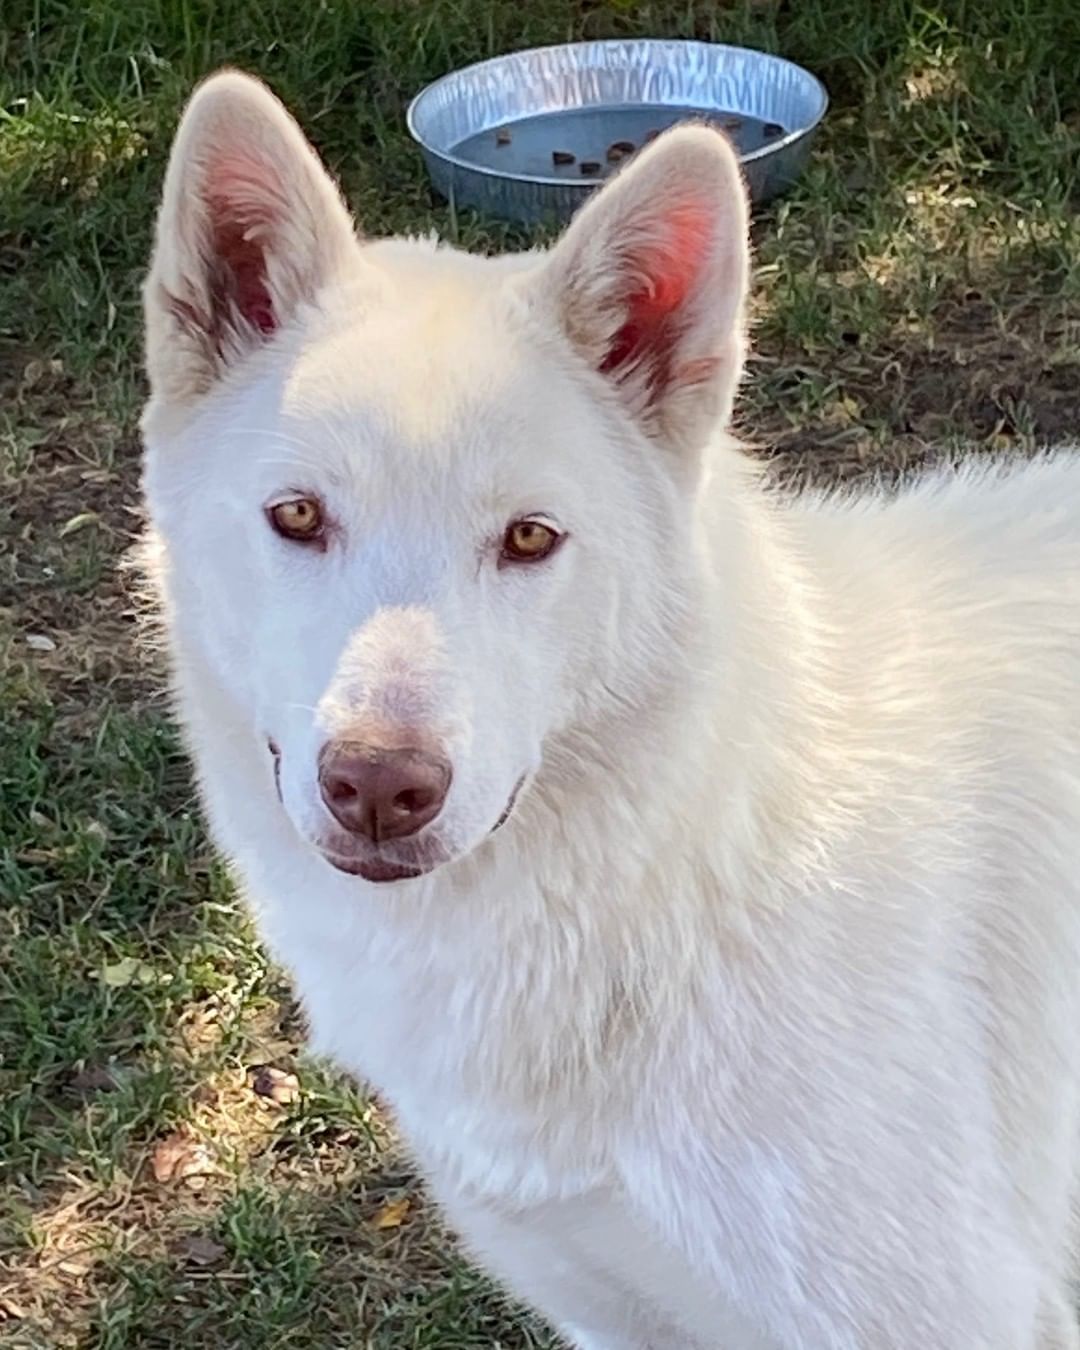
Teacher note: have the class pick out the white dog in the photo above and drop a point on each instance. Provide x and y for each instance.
(757, 1024)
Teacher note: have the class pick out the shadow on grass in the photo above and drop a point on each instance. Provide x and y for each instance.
(279, 1266)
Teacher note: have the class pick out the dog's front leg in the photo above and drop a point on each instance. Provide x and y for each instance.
(536, 1254)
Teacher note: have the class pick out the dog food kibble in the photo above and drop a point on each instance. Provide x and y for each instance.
(618, 151)
(772, 130)
(590, 167)
(502, 136)
(728, 124)
(562, 157)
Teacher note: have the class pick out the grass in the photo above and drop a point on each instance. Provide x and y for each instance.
(920, 288)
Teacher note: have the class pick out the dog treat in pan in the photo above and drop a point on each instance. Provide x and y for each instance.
(617, 151)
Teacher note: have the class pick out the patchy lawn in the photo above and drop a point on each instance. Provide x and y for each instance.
(160, 1186)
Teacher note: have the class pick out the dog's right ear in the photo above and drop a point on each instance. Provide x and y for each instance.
(250, 227)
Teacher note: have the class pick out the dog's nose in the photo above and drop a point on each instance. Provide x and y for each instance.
(382, 793)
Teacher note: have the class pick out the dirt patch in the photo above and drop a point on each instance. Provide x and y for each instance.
(991, 385)
(70, 510)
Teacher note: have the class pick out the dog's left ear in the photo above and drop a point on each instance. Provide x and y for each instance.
(649, 284)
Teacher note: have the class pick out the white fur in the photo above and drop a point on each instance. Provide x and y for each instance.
(756, 1026)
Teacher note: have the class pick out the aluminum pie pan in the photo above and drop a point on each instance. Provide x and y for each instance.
(487, 131)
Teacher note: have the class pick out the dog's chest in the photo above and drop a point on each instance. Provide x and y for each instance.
(489, 1078)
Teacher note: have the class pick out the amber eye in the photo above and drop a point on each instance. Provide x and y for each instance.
(300, 519)
(527, 541)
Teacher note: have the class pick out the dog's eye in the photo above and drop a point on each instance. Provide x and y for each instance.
(528, 541)
(300, 518)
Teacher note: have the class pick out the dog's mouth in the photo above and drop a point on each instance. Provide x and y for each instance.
(378, 868)
(508, 809)
(357, 859)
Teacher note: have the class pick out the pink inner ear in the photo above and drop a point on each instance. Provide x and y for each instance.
(666, 272)
(243, 201)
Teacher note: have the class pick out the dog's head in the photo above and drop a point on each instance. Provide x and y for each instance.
(423, 513)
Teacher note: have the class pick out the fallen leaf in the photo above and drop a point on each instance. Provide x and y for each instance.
(200, 1250)
(32, 373)
(178, 1158)
(77, 523)
(166, 1155)
(38, 855)
(40, 642)
(843, 411)
(128, 970)
(393, 1213)
(275, 1084)
(93, 1078)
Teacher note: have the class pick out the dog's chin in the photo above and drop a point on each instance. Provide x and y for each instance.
(378, 870)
